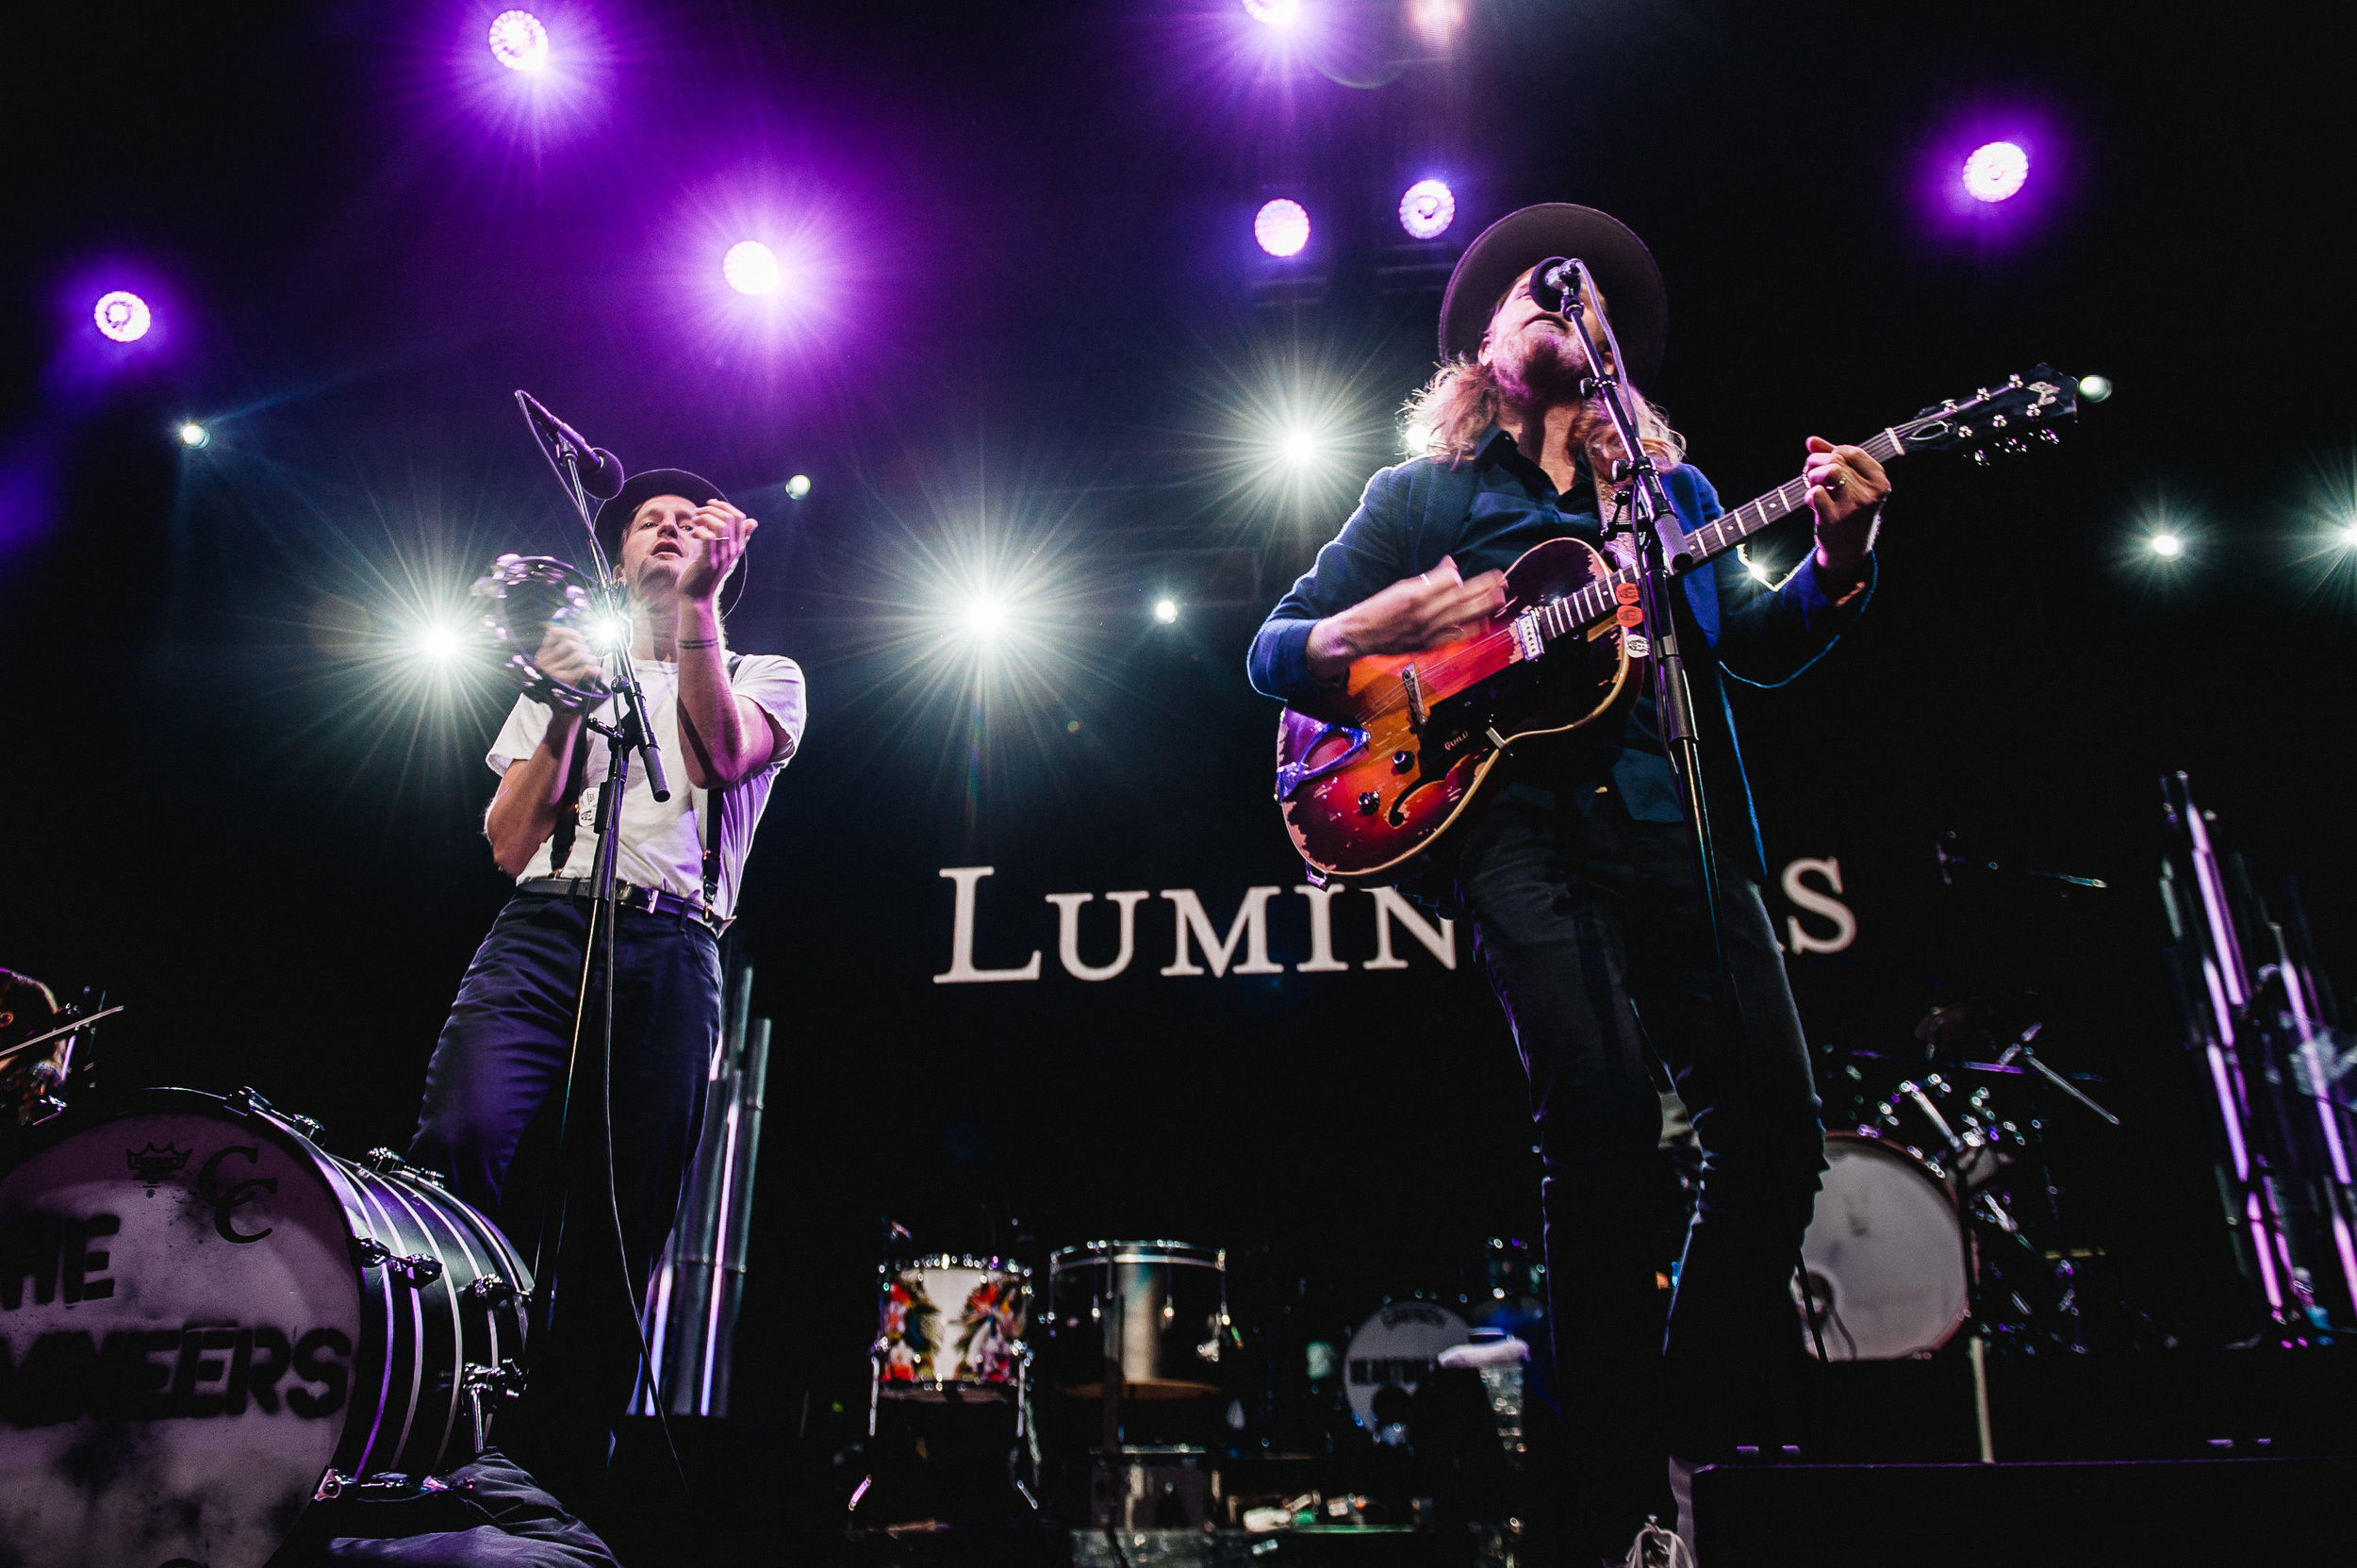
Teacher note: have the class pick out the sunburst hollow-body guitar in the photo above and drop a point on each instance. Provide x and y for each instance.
(1371, 773)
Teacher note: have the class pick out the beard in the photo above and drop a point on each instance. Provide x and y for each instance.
(1542, 367)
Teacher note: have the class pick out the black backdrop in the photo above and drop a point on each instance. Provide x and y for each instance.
(224, 807)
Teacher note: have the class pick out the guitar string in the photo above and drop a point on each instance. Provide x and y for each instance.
(1786, 499)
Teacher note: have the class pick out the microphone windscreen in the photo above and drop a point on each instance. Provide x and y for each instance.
(604, 481)
(1548, 281)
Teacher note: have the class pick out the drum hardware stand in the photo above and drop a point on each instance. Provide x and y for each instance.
(62, 1029)
(2019, 1051)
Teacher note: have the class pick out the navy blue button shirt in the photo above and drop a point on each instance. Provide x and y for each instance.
(1485, 514)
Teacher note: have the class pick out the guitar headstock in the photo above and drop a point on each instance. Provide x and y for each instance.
(1996, 418)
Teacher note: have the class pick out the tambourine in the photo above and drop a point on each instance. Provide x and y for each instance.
(523, 597)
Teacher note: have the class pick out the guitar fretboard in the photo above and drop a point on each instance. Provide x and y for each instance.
(1598, 601)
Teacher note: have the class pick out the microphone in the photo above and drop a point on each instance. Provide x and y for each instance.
(601, 471)
(1551, 281)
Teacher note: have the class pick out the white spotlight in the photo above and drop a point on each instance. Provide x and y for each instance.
(195, 435)
(2168, 546)
(2095, 389)
(1277, 14)
(440, 644)
(605, 633)
(798, 488)
(753, 268)
(984, 615)
(1166, 610)
(2347, 534)
(1299, 448)
(1760, 570)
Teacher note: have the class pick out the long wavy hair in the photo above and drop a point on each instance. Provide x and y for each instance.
(1444, 420)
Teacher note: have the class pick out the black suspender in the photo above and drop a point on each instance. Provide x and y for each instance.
(569, 812)
(568, 805)
(711, 824)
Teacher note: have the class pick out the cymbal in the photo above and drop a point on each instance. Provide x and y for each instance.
(1147, 1388)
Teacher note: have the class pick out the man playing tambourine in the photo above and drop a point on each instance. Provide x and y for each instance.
(729, 723)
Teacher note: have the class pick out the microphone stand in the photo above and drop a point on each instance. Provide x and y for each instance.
(633, 731)
(1660, 551)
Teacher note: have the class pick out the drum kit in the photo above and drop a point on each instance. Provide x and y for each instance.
(1939, 1208)
(1127, 1325)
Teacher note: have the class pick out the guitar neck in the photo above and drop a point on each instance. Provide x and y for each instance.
(1597, 601)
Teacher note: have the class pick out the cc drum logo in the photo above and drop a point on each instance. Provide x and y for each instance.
(226, 1199)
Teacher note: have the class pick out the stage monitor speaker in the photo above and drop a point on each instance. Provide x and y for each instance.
(2150, 1513)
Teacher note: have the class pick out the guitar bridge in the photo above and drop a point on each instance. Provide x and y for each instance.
(1417, 712)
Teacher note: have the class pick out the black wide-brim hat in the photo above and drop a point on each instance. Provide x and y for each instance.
(615, 515)
(1621, 264)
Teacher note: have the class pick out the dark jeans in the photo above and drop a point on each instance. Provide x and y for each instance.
(1584, 922)
(501, 1062)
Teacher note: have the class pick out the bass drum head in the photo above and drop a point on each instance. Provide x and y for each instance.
(180, 1315)
(1399, 1347)
(951, 1320)
(1885, 1254)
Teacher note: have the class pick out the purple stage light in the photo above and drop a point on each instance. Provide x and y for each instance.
(1995, 171)
(751, 267)
(1277, 14)
(122, 315)
(1427, 209)
(1281, 226)
(518, 42)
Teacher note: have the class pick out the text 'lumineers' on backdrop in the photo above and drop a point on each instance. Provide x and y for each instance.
(1199, 947)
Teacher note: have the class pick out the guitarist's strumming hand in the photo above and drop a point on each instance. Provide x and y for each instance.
(1413, 613)
(1846, 491)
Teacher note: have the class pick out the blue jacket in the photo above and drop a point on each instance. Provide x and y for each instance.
(1490, 509)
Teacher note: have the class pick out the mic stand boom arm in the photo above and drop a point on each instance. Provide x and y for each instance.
(637, 732)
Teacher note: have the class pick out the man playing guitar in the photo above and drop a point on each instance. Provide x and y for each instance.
(1572, 866)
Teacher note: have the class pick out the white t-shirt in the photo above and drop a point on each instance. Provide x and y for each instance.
(661, 843)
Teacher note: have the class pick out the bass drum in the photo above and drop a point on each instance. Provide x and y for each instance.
(1883, 1253)
(204, 1318)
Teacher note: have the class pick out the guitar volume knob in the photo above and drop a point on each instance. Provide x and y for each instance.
(1401, 762)
(1367, 803)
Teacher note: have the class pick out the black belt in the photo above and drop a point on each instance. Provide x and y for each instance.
(651, 900)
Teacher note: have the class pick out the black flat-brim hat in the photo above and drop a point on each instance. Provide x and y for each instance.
(642, 487)
(1618, 260)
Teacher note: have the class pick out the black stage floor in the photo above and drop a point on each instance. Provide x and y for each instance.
(2158, 1456)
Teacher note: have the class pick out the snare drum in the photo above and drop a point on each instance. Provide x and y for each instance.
(945, 1322)
(1885, 1253)
(205, 1317)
